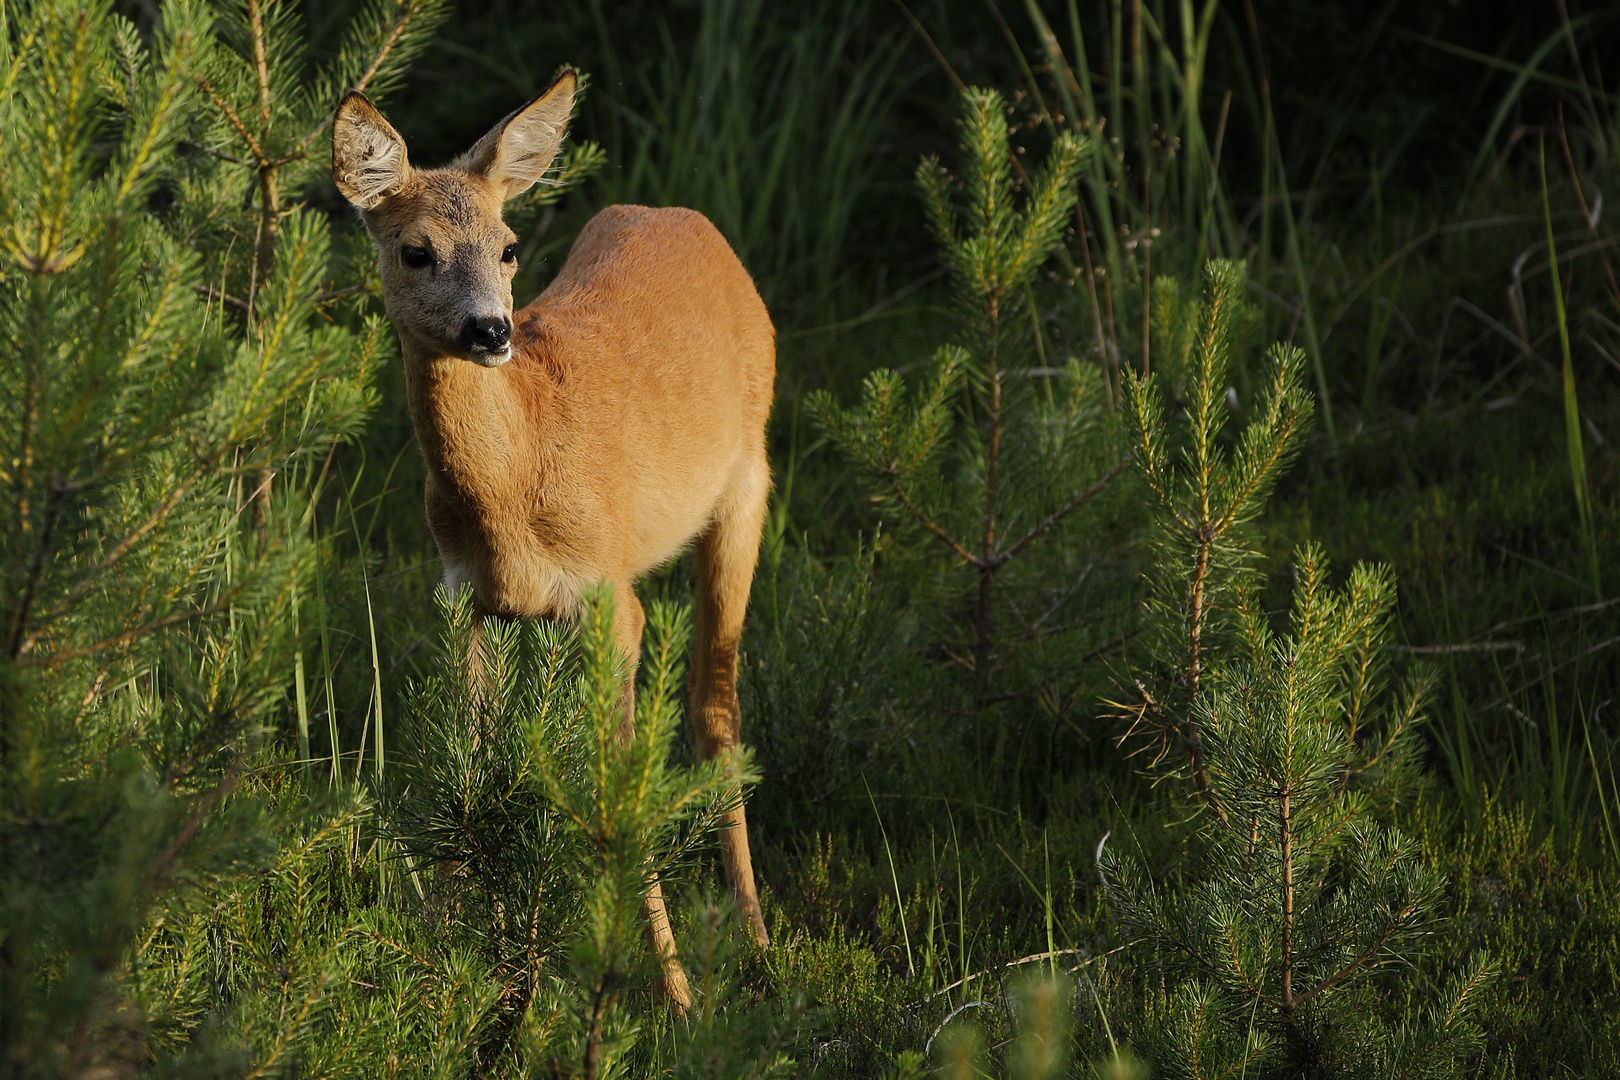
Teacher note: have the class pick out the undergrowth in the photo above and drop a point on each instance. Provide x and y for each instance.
(258, 819)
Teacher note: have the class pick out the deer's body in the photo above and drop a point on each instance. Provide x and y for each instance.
(629, 420)
(592, 435)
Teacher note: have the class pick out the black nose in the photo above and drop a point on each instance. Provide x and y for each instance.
(486, 335)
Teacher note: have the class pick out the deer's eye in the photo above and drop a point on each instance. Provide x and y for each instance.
(417, 258)
(510, 254)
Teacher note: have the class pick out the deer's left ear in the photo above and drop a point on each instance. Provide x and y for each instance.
(519, 150)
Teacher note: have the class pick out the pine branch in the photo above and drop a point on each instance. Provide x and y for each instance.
(930, 524)
(1076, 502)
(1396, 924)
(260, 158)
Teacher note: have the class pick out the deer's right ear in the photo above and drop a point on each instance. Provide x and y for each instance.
(368, 155)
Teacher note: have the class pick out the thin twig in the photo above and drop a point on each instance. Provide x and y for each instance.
(1462, 647)
(336, 294)
(117, 640)
(208, 292)
(952, 1015)
(259, 157)
(928, 41)
(1034, 958)
(929, 522)
(1360, 961)
(388, 45)
(122, 548)
(221, 155)
(1058, 515)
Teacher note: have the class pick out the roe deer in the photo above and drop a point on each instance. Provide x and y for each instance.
(592, 435)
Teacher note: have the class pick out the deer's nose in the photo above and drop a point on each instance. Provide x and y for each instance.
(486, 334)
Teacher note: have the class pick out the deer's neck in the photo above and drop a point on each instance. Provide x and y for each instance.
(478, 427)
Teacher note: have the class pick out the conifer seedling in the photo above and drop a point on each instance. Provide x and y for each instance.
(977, 455)
(1205, 492)
(1300, 895)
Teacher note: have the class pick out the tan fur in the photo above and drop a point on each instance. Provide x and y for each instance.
(627, 423)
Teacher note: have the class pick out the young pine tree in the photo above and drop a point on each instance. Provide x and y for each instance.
(145, 630)
(535, 831)
(1205, 494)
(1283, 953)
(1023, 449)
(522, 835)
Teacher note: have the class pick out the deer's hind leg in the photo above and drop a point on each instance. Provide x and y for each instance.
(726, 553)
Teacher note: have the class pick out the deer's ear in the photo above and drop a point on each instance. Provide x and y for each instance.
(519, 150)
(368, 155)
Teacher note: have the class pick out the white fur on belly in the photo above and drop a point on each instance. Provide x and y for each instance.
(531, 587)
(457, 575)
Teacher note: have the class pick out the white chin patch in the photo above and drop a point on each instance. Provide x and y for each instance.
(491, 358)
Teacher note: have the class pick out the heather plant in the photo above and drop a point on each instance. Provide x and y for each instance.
(986, 454)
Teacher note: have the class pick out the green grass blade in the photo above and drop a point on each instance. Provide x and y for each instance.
(894, 879)
(300, 690)
(1572, 408)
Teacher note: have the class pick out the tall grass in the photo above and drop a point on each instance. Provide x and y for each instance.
(764, 122)
(1571, 400)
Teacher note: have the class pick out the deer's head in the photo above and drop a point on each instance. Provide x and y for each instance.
(446, 256)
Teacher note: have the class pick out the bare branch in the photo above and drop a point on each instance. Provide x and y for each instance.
(208, 292)
(931, 525)
(1058, 515)
(259, 157)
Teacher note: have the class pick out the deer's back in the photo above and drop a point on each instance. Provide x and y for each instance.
(653, 362)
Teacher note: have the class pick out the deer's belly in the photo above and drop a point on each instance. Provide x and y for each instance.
(520, 583)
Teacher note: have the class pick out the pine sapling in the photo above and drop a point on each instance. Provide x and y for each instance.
(635, 815)
(1027, 462)
(1301, 899)
(1205, 494)
(146, 646)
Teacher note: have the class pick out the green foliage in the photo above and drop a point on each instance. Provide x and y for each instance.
(763, 123)
(824, 649)
(729, 1036)
(636, 815)
(1301, 897)
(147, 617)
(184, 896)
(269, 105)
(994, 254)
(1205, 494)
(1029, 441)
(1276, 954)
(493, 925)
